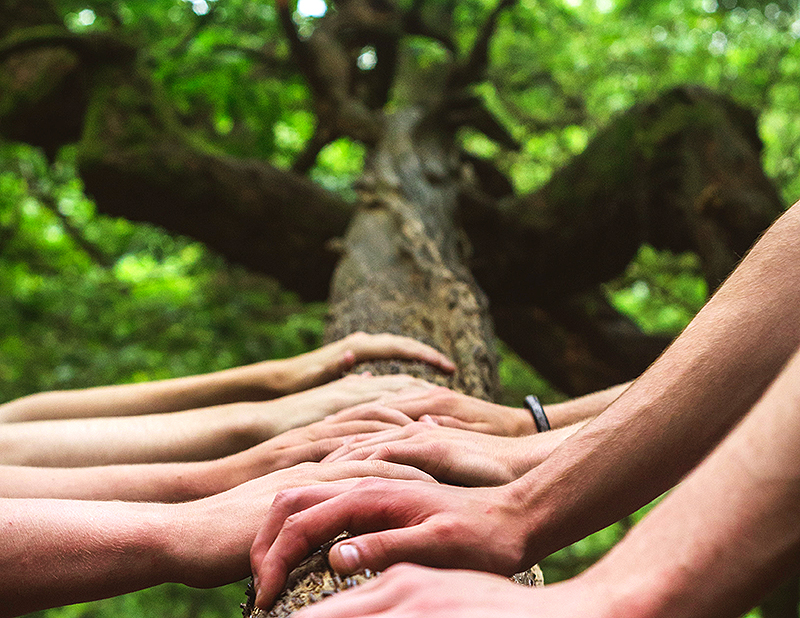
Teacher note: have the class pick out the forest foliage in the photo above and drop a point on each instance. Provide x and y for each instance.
(86, 299)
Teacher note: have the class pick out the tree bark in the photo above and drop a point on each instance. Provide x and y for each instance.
(402, 271)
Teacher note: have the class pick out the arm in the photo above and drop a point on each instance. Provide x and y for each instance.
(191, 435)
(55, 552)
(448, 408)
(711, 549)
(681, 407)
(184, 481)
(256, 382)
(644, 442)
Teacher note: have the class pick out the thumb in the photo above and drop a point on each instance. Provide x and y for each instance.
(379, 550)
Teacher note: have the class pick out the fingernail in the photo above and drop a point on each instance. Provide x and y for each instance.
(349, 557)
(427, 418)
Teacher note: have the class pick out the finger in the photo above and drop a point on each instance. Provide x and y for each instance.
(285, 504)
(364, 446)
(370, 411)
(377, 469)
(450, 421)
(386, 345)
(318, 451)
(379, 550)
(351, 428)
(370, 599)
(289, 535)
(299, 522)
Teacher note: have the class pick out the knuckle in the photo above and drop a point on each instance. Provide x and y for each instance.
(446, 532)
(284, 500)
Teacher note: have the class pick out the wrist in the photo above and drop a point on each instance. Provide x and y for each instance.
(524, 424)
(193, 552)
(162, 542)
(540, 514)
(260, 381)
(528, 451)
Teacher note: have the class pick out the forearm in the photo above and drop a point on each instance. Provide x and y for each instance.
(249, 383)
(583, 408)
(192, 435)
(158, 482)
(255, 382)
(55, 552)
(667, 420)
(728, 533)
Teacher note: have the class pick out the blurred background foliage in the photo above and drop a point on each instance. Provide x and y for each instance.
(87, 300)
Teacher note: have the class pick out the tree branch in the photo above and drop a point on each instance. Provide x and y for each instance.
(300, 51)
(94, 47)
(696, 185)
(474, 68)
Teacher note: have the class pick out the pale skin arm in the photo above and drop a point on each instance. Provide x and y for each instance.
(56, 552)
(711, 549)
(192, 435)
(185, 481)
(448, 408)
(256, 382)
(644, 442)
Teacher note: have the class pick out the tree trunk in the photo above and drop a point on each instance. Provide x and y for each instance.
(401, 268)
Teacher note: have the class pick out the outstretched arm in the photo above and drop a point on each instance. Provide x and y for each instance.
(257, 382)
(184, 481)
(711, 549)
(644, 442)
(681, 407)
(191, 435)
(56, 552)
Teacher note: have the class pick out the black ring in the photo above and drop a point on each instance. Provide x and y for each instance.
(537, 411)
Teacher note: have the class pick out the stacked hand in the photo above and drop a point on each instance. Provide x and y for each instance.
(331, 361)
(436, 525)
(448, 408)
(450, 455)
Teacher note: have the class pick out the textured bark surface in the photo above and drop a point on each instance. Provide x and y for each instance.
(401, 270)
(314, 580)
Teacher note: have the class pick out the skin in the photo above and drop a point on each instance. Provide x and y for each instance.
(455, 456)
(448, 408)
(642, 444)
(472, 447)
(256, 382)
(185, 481)
(710, 549)
(57, 552)
(190, 435)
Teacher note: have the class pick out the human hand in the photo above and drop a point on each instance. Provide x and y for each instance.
(436, 525)
(207, 542)
(448, 408)
(315, 404)
(411, 591)
(303, 444)
(450, 455)
(331, 361)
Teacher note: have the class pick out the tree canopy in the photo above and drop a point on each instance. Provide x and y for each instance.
(615, 157)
